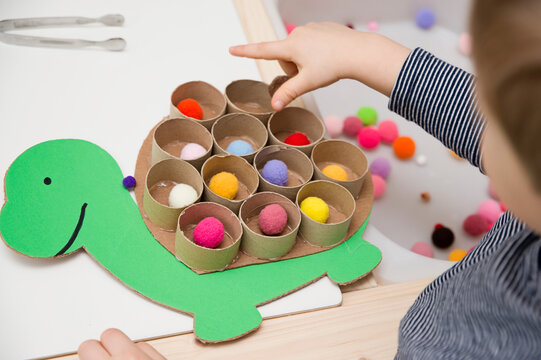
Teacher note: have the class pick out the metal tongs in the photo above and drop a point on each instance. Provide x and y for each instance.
(115, 44)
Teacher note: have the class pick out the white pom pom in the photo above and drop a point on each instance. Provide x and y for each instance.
(182, 195)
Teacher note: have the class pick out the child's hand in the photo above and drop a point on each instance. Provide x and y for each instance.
(115, 344)
(319, 54)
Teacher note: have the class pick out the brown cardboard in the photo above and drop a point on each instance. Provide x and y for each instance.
(249, 97)
(172, 134)
(199, 258)
(295, 119)
(175, 170)
(262, 246)
(245, 173)
(339, 200)
(299, 166)
(212, 101)
(301, 248)
(346, 155)
(239, 126)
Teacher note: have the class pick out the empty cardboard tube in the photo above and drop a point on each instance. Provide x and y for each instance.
(212, 101)
(295, 119)
(237, 126)
(299, 166)
(249, 97)
(172, 135)
(178, 171)
(199, 257)
(342, 153)
(262, 246)
(339, 200)
(245, 173)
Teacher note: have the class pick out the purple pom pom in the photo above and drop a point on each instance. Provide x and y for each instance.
(425, 18)
(380, 166)
(129, 182)
(275, 172)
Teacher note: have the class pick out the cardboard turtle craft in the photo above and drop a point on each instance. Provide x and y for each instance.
(66, 195)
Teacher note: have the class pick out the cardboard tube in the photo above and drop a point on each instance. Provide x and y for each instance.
(249, 97)
(337, 197)
(294, 119)
(175, 170)
(212, 101)
(171, 135)
(262, 246)
(237, 126)
(199, 257)
(299, 166)
(245, 173)
(346, 155)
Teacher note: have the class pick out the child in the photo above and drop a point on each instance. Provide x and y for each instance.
(489, 304)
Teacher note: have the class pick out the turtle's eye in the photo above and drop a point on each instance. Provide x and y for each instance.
(47, 181)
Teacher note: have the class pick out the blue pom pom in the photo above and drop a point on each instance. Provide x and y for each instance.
(129, 182)
(275, 172)
(425, 18)
(240, 148)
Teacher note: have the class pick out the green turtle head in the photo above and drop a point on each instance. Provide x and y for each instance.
(52, 189)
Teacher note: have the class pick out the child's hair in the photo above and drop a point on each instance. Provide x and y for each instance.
(506, 50)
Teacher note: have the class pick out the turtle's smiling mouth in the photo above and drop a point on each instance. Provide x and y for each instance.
(75, 232)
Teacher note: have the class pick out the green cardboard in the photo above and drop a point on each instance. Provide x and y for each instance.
(85, 206)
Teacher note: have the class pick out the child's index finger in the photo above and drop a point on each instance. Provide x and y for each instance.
(270, 50)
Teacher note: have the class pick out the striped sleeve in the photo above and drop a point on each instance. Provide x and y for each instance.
(441, 99)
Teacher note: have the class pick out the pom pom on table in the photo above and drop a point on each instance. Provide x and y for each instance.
(334, 125)
(368, 115)
(373, 25)
(209, 233)
(404, 147)
(350, 25)
(290, 27)
(388, 131)
(240, 148)
(315, 208)
(490, 210)
(190, 108)
(422, 248)
(275, 172)
(464, 44)
(425, 18)
(368, 137)
(192, 151)
(352, 125)
(224, 184)
(442, 237)
(272, 219)
(297, 139)
(475, 225)
(335, 172)
(457, 254)
(379, 186)
(380, 166)
(182, 195)
(129, 182)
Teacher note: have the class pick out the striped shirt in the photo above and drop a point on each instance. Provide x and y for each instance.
(488, 305)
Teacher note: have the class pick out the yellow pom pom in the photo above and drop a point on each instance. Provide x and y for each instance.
(457, 255)
(335, 172)
(315, 208)
(225, 185)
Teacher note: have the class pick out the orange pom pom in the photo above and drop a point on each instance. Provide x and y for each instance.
(404, 147)
(190, 108)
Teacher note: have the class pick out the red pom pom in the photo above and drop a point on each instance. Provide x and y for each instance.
(475, 225)
(190, 108)
(297, 139)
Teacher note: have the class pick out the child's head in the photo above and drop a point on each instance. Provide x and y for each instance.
(506, 38)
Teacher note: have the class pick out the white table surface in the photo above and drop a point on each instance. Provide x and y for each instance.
(112, 99)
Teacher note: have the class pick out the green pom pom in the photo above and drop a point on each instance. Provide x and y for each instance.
(368, 115)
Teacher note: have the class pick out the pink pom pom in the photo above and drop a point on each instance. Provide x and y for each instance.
(352, 126)
(475, 225)
(209, 233)
(334, 125)
(373, 25)
(379, 186)
(290, 27)
(388, 131)
(464, 44)
(272, 219)
(490, 210)
(423, 248)
(369, 137)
